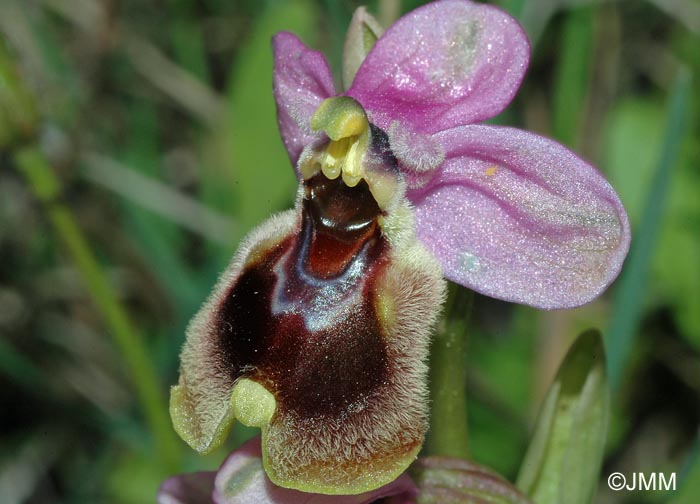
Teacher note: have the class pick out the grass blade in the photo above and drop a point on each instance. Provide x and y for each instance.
(630, 296)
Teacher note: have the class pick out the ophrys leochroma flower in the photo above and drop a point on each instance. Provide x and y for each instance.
(318, 331)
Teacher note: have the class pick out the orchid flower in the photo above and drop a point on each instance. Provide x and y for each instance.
(317, 332)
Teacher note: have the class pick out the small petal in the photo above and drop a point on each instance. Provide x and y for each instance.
(519, 217)
(418, 155)
(191, 488)
(445, 64)
(242, 480)
(302, 80)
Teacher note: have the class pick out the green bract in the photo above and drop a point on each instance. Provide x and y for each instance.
(563, 460)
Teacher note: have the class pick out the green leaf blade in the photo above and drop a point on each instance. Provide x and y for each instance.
(563, 460)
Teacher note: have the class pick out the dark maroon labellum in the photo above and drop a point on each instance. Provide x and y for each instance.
(301, 319)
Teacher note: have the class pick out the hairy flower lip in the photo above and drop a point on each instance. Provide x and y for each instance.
(329, 317)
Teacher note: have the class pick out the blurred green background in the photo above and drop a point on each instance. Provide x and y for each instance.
(138, 144)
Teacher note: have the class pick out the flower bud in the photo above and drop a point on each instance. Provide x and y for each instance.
(363, 32)
(446, 479)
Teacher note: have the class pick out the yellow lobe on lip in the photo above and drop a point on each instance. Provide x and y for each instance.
(253, 405)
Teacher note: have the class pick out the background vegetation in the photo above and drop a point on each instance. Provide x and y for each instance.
(145, 145)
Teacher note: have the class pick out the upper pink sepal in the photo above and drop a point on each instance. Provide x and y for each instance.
(446, 64)
(302, 80)
(517, 216)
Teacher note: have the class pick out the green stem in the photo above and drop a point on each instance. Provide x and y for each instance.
(449, 433)
(46, 187)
